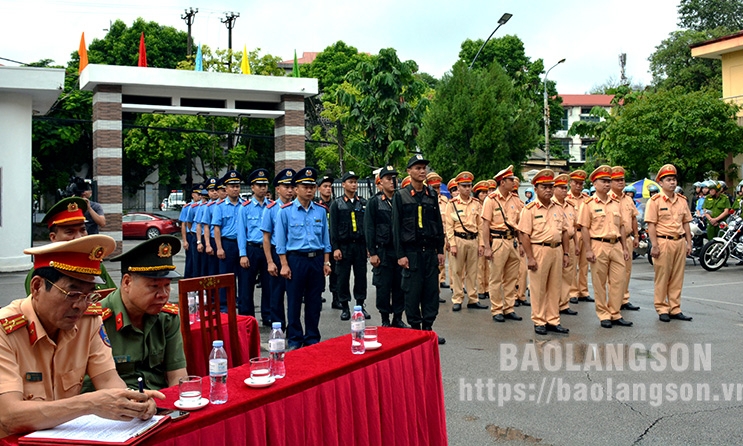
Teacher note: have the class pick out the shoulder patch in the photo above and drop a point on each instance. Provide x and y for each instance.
(270, 205)
(170, 308)
(286, 205)
(107, 313)
(13, 323)
(655, 197)
(94, 310)
(220, 201)
(211, 203)
(245, 203)
(322, 205)
(531, 205)
(587, 200)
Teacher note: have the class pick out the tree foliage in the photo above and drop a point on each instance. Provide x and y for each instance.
(702, 15)
(480, 122)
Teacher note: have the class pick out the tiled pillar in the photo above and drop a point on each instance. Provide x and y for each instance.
(289, 134)
(107, 156)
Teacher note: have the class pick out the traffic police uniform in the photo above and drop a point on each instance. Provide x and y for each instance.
(544, 229)
(602, 229)
(224, 219)
(277, 284)
(418, 235)
(568, 274)
(250, 247)
(579, 290)
(480, 192)
(347, 236)
(629, 220)
(434, 180)
(670, 217)
(500, 214)
(521, 286)
(156, 348)
(461, 226)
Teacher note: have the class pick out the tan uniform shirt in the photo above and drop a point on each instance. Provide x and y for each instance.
(628, 210)
(510, 205)
(33, 364)
(603, 219)
(669, 214)
(543, 224)
(571, 214)
(577, 204)
(469, 213)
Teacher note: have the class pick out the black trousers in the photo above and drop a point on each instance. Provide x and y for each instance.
(354, 258)
(387, 277)
(248, 279)
(420, 285)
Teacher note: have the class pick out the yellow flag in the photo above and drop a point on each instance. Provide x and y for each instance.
(245, 65)
(83, 52)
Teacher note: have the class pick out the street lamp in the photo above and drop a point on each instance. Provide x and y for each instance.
(547, 116)
(502, 21)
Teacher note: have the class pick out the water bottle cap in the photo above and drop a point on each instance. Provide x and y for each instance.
(217, 344)
(357, 308)
(276, 325)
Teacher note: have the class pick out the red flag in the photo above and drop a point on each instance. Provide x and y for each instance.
(142, 52)
(83, 52)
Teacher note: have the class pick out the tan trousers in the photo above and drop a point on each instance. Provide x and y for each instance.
(628, 270)
(607, 272)
(568, 278)
(442, 269)
(504, 272)
(545, 285)
(464, 271)
(669, 275)
(483, 275)
(580, 284)
(521, 291)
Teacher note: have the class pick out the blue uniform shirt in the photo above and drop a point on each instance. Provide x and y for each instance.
(184, 212)
(191, 217)
(206, 215)
(300, 229)
(249, 224)
(224, 215)
(268, 223)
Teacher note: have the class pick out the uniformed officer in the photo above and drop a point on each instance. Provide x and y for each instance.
(579, 290)
(386, 273)
(479, 192)
(144, 329)
(454, 192)
(284, 186)
(500, 217)
(629, 216)
(461, 226)
(325, 192)
(668, 219)
(559, 196)
(303, 246)
(205, 231)
(405, 182)
(250, 247)
(53, 337)
(543, 230)
(434, 180)
(224, 220)
(493, 185)
(603, 235)
(418, 236)
(349, 244)
(187, 234)
(521, 283)
(716, 208)
(452, 186)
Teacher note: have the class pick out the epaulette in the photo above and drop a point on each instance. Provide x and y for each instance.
(615, 198)
(170, 308)
(220, 201)
(246, 202)
(587, 200)
(211, 203)
(286, 204)
(13, 323)
(94, 310)
(322, 205)
(492, 195)
(195, 203)
(107, 313)
(655, 197)
(531, 205)
(271, 204)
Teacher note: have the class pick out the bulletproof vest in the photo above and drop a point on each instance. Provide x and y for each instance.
(350, 219)
(421, 220)
(383, 221)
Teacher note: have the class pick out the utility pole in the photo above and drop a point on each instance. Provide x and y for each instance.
(229, 21)
(189, 17)
(622, 65)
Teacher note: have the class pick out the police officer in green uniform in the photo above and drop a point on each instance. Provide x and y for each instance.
(144, 329)
(716, 208)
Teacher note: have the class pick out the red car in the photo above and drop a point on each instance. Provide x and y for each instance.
(147, 225)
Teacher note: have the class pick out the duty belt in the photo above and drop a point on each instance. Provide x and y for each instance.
(550, 244)
(508, 235)
(255, 245)
(466, 235)
(606, 240)
(310, 254)
(672, 237)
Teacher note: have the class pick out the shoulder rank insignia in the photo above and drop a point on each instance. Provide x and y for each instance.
(270, 205)
(286, 205)
(13, 323)
(94, 310)
(531, 205)
(587, 200)
(170, 308)
(655, 197)
(211, 203)
(107, 313)
(246, 202)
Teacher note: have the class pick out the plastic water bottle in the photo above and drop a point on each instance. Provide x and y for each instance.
(277, 349)
(218, 373)
(358, 324)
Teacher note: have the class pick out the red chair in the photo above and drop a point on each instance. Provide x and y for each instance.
(211, 321)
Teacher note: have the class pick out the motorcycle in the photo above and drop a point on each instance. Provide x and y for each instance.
(698, 228)
(729, 244)
(643, 246)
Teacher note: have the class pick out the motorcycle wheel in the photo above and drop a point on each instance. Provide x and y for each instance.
(713, 256)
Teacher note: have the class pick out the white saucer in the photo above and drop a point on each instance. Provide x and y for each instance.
(372, 345)
(202, 403)
(260, 384)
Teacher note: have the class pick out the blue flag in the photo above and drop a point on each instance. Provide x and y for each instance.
(199, 60)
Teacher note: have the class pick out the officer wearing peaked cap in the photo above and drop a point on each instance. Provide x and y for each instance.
(521, 283)
(629, 215)
(325, 198)
(224, 221)
(143, 328)
(433, 180)
(579, 290)
(188, 232)
(205, 230)
(568, 274)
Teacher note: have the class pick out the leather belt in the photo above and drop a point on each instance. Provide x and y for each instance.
(508, 235)
(255, 245)
(550, 244)
(308, 254)
(606, 240)
(672, 237)
(466, 235)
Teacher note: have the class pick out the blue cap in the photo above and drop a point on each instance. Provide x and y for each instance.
(211, 184)
(258, 176)
(196, 188)
(306, 175)
(220, 184)
(286, 176)
(232, 177)
(276, 325)
(217, 344)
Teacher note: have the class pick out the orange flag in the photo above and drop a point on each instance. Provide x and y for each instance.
(83, 53)
(142, 52)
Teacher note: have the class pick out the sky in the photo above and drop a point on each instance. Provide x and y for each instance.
(589, 34)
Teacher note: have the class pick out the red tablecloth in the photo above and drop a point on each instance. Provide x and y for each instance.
(250, 341)
(329, 396)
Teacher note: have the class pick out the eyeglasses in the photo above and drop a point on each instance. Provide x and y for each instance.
(74, 297)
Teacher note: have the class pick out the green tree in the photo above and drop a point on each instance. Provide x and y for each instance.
(331, 66)
(695, 131)
(702, 15)
(479, 121)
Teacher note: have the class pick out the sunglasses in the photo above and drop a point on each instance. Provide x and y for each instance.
(74, 297)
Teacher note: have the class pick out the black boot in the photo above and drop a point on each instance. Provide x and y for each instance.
(397, 321)
(415, 326)
(345, 313)
(336, 304)
(363, 309)
(385, 319)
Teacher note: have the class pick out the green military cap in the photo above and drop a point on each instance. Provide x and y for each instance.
(153, 258)
(68, 211)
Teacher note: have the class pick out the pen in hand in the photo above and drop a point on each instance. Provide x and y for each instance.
(141, 384)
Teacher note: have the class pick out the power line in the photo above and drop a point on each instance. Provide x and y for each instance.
(14, 61)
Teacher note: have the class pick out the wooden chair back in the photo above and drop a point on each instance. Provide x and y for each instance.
(209, 287)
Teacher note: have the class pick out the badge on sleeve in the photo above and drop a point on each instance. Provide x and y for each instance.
(33, 377)
(104, 336)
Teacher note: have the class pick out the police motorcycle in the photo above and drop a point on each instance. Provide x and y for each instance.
(728, 244)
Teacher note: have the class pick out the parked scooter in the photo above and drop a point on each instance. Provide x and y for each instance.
(716, 252)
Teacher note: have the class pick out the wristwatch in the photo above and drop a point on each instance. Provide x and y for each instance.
(198, 242)
(327, 263)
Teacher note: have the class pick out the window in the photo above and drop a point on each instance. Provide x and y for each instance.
(564, 120)
(586, 116)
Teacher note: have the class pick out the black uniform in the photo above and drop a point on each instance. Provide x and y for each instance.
(418, 235)
(387, 276)
(347, 234)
